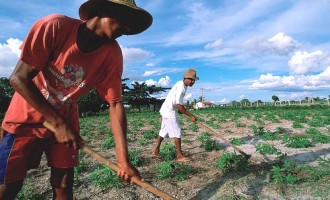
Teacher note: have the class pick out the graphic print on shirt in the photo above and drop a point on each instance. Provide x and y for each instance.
(62, 84)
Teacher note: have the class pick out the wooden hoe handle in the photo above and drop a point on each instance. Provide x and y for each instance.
(226, 141)
(147, 186)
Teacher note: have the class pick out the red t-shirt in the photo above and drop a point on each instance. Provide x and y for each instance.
(66, 73)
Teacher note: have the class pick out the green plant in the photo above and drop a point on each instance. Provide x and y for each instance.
(26, 193)
(280, 176)
(108, 143)
(134, 157)
(257, 130)
(82, 165)
(280, 130)
(297, 141)
(105, 177)
(168, 151)
(207, 143)
(193, 127)
(267, 135)
(231, 162)
(149, 134)
(174, 170)
(317, 136)
(236, 141)
(267, 149)
(297, 125)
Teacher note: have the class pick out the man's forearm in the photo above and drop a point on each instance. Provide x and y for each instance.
(21, 81)
(119, 126)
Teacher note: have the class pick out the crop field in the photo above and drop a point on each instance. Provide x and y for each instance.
(289, 148)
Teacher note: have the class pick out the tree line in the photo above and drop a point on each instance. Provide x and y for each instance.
(137, 96)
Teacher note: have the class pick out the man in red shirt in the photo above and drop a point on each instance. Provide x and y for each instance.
(62, 59)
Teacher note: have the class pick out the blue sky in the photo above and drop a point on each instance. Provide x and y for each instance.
(240, 49)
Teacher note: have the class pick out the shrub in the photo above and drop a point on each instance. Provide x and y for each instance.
(231, 162)
(168, 151)
(105, 177)
(171, 169)
(296, 141)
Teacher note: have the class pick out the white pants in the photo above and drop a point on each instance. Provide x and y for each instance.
(170, 127)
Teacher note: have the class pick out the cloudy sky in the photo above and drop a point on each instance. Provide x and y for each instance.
(240, 49)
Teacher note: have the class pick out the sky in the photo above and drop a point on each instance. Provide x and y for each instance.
(241, 49)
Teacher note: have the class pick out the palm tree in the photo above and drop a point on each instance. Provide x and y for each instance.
(275, 99)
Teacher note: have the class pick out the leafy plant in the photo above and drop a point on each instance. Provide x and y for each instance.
(281, 176)
(174, 170)
(193, 127)
(149, 134)
(270, 136)
(317, 136)
(134, 157)
(105, 177)
(26, 193)
(168, 151)
(267, 149)
(208, 144)
(231, 162)
(297, 141)
(236, 141)
(257, 130)
(108, 143)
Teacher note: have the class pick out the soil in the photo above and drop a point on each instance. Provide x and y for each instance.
(206, 181)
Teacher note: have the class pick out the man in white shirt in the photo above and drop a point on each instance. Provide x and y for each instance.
(173, 103)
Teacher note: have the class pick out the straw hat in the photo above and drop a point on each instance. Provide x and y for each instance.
(190, 73)
(134, 17)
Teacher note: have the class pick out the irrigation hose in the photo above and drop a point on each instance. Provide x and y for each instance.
(246, 156)
(147, 186)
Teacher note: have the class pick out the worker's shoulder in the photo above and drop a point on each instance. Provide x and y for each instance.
(58, 18)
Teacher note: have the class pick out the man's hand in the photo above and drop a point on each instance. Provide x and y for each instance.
(65, 134)
(127, 172)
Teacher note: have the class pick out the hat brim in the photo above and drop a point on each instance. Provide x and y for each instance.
(136, 19)
(192, 77)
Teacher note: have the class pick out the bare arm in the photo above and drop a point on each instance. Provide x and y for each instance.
(183, 110)
(119, 126)
(21, 81)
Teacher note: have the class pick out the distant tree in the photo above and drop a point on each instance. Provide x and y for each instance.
(259, 102)
(245, 102)
(275, 99)
(6, 93)
(91, 103)
(140, 94)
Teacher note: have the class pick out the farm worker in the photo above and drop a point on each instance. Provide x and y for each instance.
(62, 59)
(173, 103)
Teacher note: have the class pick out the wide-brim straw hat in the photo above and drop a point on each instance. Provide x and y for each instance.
(190, 73)
(126, 11)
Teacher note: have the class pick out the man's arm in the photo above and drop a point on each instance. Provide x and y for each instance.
(21, 81)
(118, 123)
(183, 110)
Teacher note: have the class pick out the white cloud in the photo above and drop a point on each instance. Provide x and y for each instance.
(224, 101)
(164, 82)
(134, 55)
(150, 64)
(242, 96)
(214, 45)
(150, 73)
(294, 83)
(188, 96)
(9, 55)
(304, 62)
(280, 44)
(150, 82)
